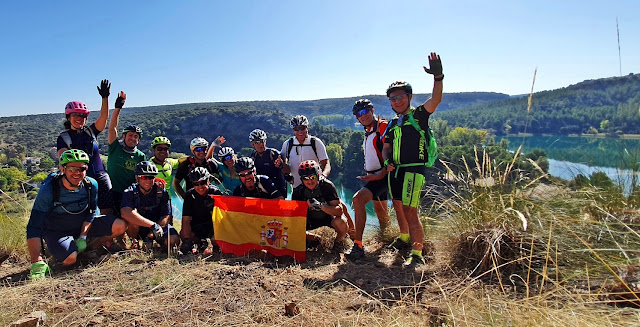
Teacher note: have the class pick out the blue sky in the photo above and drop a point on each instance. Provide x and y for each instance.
(167, 52)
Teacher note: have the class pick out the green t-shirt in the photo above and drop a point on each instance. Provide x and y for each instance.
(121, 165)
(165, 170)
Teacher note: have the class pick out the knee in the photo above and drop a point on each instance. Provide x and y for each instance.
(119, 227)
(339, 224)
(71, 259)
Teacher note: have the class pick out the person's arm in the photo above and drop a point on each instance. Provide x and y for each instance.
(84, 230)
(326, 167)
(177, 187)
(435, 68)
(164, 221)
(386, 155)
(104, 92)
(133, 217)
(113, 123)
(375, 176)
(185, 229)
(332, 208)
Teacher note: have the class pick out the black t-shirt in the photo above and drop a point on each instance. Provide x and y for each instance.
(325, 192)
(412, 147)
(264, 189)
(187, 164)
(200, 207)
(265, 166)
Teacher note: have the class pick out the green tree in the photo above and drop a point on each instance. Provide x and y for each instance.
(47, 164)
(334, 151)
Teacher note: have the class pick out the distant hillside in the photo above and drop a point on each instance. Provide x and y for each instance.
(578, 108)
(234, 120)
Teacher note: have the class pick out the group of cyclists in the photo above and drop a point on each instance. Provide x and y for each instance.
(132, 193)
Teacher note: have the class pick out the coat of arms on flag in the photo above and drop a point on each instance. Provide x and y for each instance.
(277, 226)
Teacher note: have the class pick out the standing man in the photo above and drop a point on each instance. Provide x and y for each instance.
(197, 209)
(302, 147)
(252, 185)
(199, 148)
(405, 153)
(160, 147)
(64, 215)
(123, 156)
(267, 160)
(376, 187)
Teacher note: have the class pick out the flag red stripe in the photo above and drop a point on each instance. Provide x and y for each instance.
(242, 249)
(265, 207)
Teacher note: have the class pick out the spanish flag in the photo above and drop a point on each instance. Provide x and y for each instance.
(243, 224)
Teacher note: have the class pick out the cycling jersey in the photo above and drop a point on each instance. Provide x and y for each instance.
(121, 165)
(229, 184)
(199, 208)
(84, 140)
(264, 163)
(372, 145)
(187, 164)
(408, 145)
(165, 170)
(264, 189)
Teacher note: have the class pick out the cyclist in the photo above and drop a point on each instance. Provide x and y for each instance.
(123, 156)
(64, 215)
(197, 209)
(405, 153)
(324, 203)
(160, 147)
(146, 207)
(229, 177)
(376, 187)
(268, 161)
(78, 135)
(251, 184)
(199, 148)
(302, 147)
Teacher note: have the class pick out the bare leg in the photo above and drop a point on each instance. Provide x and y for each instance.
(382, 211)
(360, 200)
(415, 227)
(35, 249)
(400, 215)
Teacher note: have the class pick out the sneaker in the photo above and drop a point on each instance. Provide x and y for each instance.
(399, 244)
(339, 246)
(312, 244)
(203, 245)
(412, 261)
(147, 245)
(355, 253)
(187, 246)
(39, 270)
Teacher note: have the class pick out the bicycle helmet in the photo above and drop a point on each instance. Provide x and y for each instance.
(362, 104)
(399, 85)
(299, 120)
(198, 174)
(243, 163)
(145, 168)
(73, 155)
(160, 140)
(257, 135)
(225, 152)
(76, 107)
(132, 128)
(198, 142)
(308, 168)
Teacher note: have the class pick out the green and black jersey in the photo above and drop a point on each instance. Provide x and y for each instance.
(408, 146)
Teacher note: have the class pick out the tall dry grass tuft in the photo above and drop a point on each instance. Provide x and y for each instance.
(14, 214)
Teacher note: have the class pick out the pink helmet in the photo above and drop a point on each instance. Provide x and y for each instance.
(76, 107)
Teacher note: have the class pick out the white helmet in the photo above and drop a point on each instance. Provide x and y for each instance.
(225, 152)
(198, 142)
(257, 135)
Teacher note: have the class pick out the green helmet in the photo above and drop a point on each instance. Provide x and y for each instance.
(160, 140)
(73, 155)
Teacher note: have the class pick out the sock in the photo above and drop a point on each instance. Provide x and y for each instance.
(417, 252)
(359, 243)
(404, 237)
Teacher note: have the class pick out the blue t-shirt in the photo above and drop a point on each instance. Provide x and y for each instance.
(81, 140)
(72, 211)
(153, 206)
(228, 183)
(265, 166)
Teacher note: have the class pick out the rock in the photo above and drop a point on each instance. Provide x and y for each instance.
(291, 309)
(34, 319)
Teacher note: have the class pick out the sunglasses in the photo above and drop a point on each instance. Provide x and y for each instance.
(299, 128)
(309, 178)
(162, 148)
(200, 149)
(362, 112)
(74, 170)
(79, 115)
(257, 142)
(397, 97)
(229, 157)
(147, 177)
(245, 174)
(200, 183)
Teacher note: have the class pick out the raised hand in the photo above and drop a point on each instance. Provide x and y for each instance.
(435, 65)
(278, 161)
(218, 141)
(122, 97)
(104, 88)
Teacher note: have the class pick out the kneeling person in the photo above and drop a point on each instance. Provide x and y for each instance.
(324, 204)
(64, 213)
(252, 185)
(197, 209)
(145, 206)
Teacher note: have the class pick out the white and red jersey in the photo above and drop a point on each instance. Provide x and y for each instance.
(372, 145)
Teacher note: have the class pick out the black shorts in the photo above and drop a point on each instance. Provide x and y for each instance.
(317, 219)
(405, 184)
(379, 189)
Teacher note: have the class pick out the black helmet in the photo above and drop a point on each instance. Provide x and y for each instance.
(198, 174)
(299, 120)
(132, 128)
(243, 163)
(308, 168)
(399, 85)
(145, 168)
(362, 104)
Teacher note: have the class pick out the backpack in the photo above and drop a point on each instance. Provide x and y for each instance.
(312, 145)
(379, 140)
(136, 198)
(432, 147)
(67, 138)
(55, 186)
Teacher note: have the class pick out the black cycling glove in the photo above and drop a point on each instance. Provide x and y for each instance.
(104, 88)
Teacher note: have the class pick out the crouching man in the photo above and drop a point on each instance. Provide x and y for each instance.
(324, 204)
(145, 206)
(197, 225)
(64, 215)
